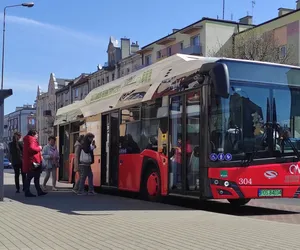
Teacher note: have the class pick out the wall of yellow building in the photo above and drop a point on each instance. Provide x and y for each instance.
(277, 23)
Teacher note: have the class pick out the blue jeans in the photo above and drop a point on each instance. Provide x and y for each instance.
(85, 171)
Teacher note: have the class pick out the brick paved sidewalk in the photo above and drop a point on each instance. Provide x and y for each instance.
(62, 220)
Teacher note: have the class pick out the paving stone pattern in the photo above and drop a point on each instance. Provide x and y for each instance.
(62, 220)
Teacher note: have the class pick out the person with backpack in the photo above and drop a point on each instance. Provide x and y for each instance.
(86, 159)
(15, 157)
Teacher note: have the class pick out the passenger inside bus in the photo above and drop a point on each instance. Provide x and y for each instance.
(152, 143)
(176, 161)
(128, 145)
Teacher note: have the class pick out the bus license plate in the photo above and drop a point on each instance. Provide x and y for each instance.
(269, 192)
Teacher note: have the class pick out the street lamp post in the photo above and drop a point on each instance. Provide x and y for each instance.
(4, 94)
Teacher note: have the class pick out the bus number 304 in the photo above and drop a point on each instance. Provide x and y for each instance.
(245, 181)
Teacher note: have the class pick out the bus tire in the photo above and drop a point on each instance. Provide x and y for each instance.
(238, 202)
(151, 185)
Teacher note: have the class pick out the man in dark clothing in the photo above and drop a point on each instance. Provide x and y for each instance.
(15, 156)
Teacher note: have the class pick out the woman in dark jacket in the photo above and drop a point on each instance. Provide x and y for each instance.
(86, 159)
(15, 156)
(32, 160)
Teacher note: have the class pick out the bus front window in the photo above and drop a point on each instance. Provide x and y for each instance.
(237, 124)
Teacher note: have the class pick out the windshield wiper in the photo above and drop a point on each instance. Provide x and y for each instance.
(249, 157)
(286, 138)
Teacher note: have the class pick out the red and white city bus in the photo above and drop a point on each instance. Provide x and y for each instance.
(213, 128)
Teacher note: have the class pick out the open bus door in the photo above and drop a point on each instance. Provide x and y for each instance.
(184, 143)
(110, 149)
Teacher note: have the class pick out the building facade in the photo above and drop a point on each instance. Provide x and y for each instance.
(122, 59)
(204, 38)
(285, 31)
(22, 120)
(74, 90)
(46, 107)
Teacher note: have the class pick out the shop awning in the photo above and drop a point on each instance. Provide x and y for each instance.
(69, 113)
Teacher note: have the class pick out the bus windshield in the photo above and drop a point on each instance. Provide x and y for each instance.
(260, 94)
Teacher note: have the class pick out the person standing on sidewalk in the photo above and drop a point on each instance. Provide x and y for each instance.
(78, 147)
(32, 162)
(15, 157)
(86, 159)
(51, 161)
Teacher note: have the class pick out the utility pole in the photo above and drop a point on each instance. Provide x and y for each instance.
(223, 9)
(5, 93)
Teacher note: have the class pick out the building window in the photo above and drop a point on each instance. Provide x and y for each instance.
(181, 46)
(113, 76)
(195, 41)
(76, 93)
(158, 54)
(169, 51)
(128, 70)
(148, 60)
(107, 79)
(282, 52)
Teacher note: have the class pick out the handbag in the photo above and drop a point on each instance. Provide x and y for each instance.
(85, 158)
(36, 166)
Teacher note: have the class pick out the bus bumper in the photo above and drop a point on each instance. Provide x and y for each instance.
(234, 191)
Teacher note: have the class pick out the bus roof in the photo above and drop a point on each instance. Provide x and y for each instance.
(258, 62)
(139, 86)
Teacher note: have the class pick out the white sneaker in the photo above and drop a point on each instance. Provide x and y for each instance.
(54, 189)
(92, 193)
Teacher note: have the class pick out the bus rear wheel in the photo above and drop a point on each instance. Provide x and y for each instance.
(151, 187)
(238, 202)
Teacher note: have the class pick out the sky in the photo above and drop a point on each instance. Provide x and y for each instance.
(68, 38)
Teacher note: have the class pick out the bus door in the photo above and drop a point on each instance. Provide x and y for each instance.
(184, 143)
(110, 149)
(64, 149)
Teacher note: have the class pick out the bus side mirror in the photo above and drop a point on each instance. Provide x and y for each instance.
(220, 79)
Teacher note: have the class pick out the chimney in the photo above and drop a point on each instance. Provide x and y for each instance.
(298, 5)
(284, 11)
(246, 20)
(125, 47)
(134, 47)
(174, 30)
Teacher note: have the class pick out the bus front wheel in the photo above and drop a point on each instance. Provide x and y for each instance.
(151, 187)
(238, 202)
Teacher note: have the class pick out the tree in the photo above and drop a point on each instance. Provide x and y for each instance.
(251, 45)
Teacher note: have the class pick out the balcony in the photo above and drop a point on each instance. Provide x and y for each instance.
(195, 50)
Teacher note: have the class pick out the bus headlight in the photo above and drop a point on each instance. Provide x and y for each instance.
(226, 183)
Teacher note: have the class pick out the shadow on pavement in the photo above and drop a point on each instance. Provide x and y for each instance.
(226, 208)
(65, 201)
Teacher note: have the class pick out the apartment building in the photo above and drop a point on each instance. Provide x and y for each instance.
(75, 90)
(46, 107)
(204, 37)
(22, 120)
(122, 59)
(284, 29)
